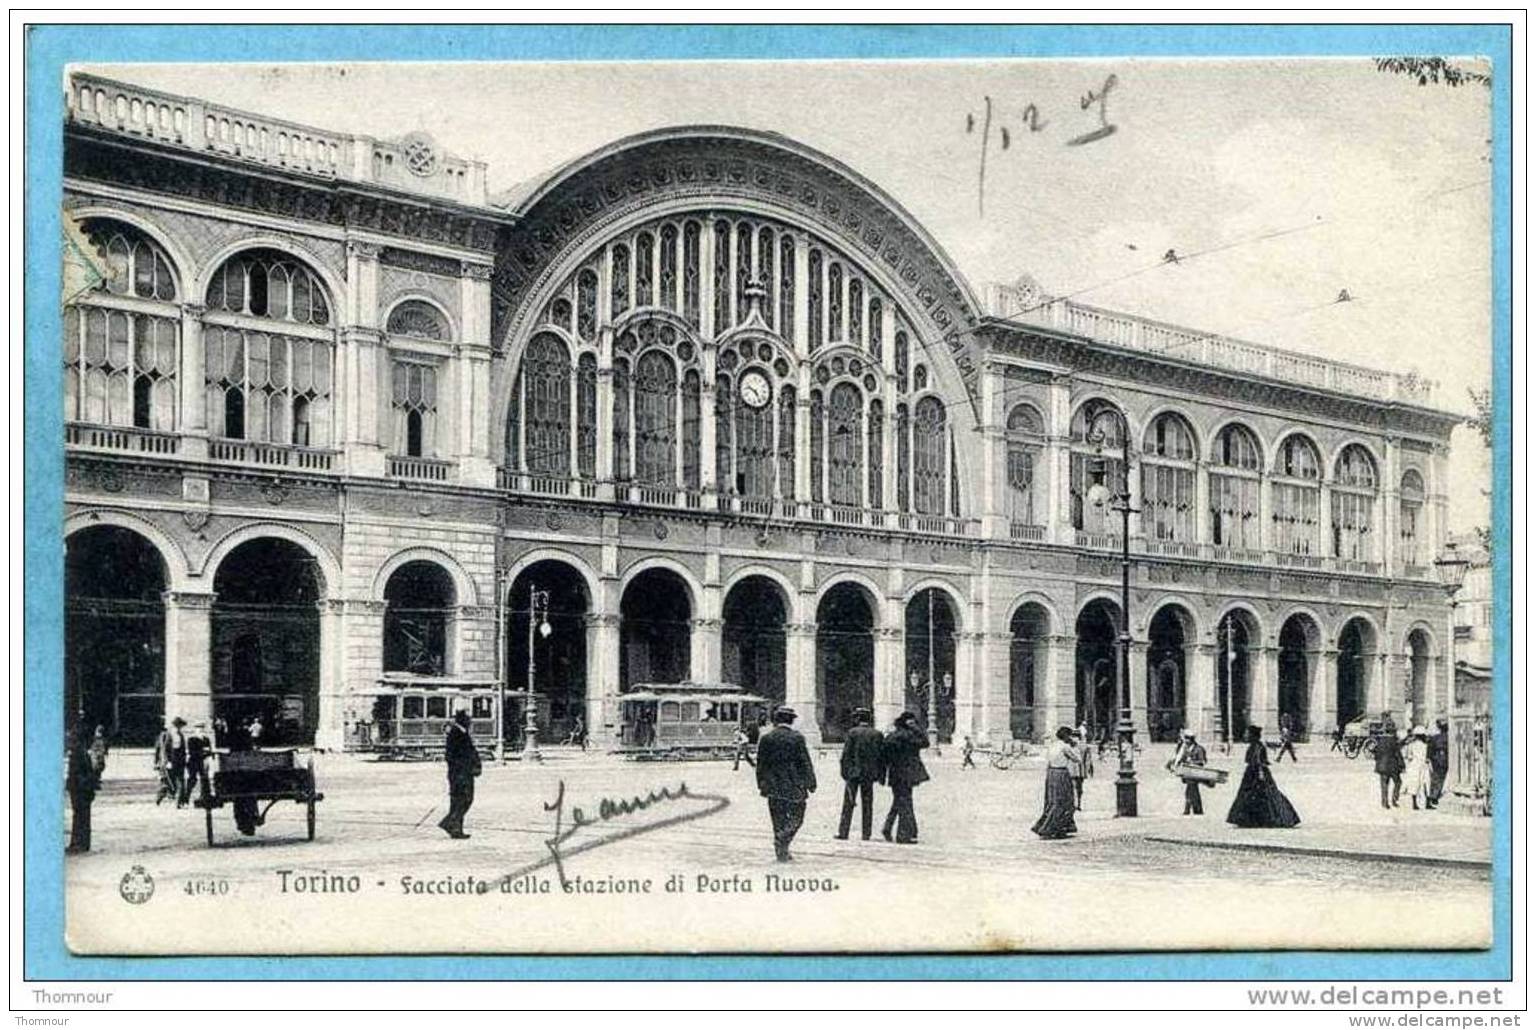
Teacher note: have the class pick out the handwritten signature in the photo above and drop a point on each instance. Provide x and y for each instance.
(1033, 122)
(569, 823)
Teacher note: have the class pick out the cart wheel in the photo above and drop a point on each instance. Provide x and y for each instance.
(208, 823)
(311, 817)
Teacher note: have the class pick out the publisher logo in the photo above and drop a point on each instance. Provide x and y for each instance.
(136, 886)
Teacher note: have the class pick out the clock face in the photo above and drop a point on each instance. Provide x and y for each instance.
(755, 390)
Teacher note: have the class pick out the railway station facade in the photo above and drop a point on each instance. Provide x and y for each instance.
(711, 406)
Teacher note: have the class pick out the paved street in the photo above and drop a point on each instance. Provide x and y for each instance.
(978, 880)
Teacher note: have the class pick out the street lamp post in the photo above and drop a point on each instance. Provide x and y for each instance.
(538, 621)
(1099, 495)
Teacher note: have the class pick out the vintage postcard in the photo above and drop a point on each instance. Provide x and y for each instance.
(777, 506)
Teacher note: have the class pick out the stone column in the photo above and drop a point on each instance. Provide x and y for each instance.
(188, 655)
(890, 677)
(192, 418)
(993, 521)
(1389, 551)
(1058, 451)
(1263, 709)
(1201, 712)
(1060, 686)
(1138, 690)
(800, 690)
(968, 701)
(1323, 669)
(1395, 693)
(704, 654)
(994, 687)
(476, 420)
(603, 673)
(366, 438)
(329, 731)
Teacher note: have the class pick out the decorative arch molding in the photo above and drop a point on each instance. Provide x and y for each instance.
(335, 284)
(1324, 637)
(182, 262)
(1262, 631)
(690, 581)
(1198, 437)
(1377, 459)
(1419, 626)
(872, 593)
(1378, 638)
(463, 583)
(1098, 595)
(710, 166)
(330, 569)
(790, 594)
(178, 571)
(1098, 395)
(410, 296)
(1198, 629)
(589, 576)
(948, 589)
(1039, 600)
(1213, 428)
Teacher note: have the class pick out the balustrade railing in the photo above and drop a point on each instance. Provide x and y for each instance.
(1298, 561)
(1237, 554)
(120, 438)
(270, 455)
(1099, 541)
(1365, 568)
(1173, 548)
(431, 470)
(1026, 531)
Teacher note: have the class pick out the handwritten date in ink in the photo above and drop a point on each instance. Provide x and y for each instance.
(1096, 100)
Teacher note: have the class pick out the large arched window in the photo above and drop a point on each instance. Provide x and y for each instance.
(121, 357)
(1296, 518)
(1098, 439)
(419, 319)
(1168, 480)
(656, 420)
(586, 416)
(930, 449)
(545, 380)
(1025, 434)
(413, 398)
(755, 457)
(1354, 505)
(272, 384)
(845, 443)
(1410, 513)
(1236, 464)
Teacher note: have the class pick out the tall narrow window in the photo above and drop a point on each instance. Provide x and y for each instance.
(1168, 480)
(141, 405)
(845, 445)
(725, 469)
(667, 281)
(787, 442)
(903, 459)
(818, 437)
(586, 305)
(755, 456)
(1234, 495)
(836, 332)
(930, 442)
(743, 269)
(586, 416)
(645, 255)
(876, 328)
(856, 313)
(619, 289)
(1298, 473)
(1098, 441)
(513, 459)
(786, 325)
(414, 400)
(546, 376)
(656, 420)
(270, 372)
(1354, 500)
(692, 436)
(902, 357)
(722, 277)
(1025, 434)
(691, 276)
(876, 449)
(814, 314)
(622, 400)
(765, 275)
(1410, 508)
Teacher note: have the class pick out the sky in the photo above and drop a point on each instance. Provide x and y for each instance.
(1284, 181)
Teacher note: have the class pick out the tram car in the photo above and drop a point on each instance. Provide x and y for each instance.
(677, 721)
(409, 718)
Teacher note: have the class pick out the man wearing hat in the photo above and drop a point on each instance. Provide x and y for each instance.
(463, 766)
(785, 777)
(171, 761)
(904, 770)
(863, 766)
(1190, 753)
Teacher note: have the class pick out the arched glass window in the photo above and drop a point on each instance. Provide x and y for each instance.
(855, 312)
(269, 284)
(268, 372)
(1236, 463)
(930, 442)
(766, 250)
(120, 365)
(814, 286)
(1098, 449)
(618, 292)
(691, 273)
(667, 280)
(692, 435)
(1168, 480)
(586, 415)
(1025, 434)
(586, 305)
(622, 401)
(876, 327)
(723, 292)
(645, 255)
(755, 456)
(1296, 517)
(903, 429)
(876, 448)
(1354, 505)
(419, 319)
(743, 269)
(1410, 508)
(845, 444)
(902, 357)
(787, 442)
(656, 420)
(413, 400)
(725, 450)
(786, 325)
(836, 333)
(546, 377)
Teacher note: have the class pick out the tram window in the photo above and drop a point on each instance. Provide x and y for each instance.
(729, 711)
(437, 708)
(481, 708)
(690, 711)
(410, 707)
(671, 711)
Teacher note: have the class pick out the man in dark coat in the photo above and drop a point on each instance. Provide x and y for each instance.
(863, 766)
(199, 748)
(1389, 761)
(1439, 761)
(82, 777)
(786, 778)
(463, 766)
(904, 770)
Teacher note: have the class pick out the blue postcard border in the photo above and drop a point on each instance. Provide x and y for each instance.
(48, 49)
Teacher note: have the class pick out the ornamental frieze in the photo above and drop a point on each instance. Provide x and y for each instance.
(716, 171)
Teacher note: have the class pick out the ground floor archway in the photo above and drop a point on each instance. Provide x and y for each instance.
(557, 592)
(1300, 646)
(1168, 637)
(1357, 656)
(1420, 657)
(655, 629)
(1097, 695)
(265, 640)
(1028, 633)
(752, 637)
(931, 625)
(845, 658)
(1237, 637)
(114, 634)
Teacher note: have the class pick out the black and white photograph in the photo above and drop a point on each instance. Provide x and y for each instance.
(845, 506)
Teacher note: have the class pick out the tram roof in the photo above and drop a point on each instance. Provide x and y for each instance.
(691, 690)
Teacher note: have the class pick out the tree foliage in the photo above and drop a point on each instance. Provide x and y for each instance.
(1432, 70)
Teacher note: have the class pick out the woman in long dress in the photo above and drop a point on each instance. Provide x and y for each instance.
(1056, 820)
(1259, 802)
(1416, 767)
